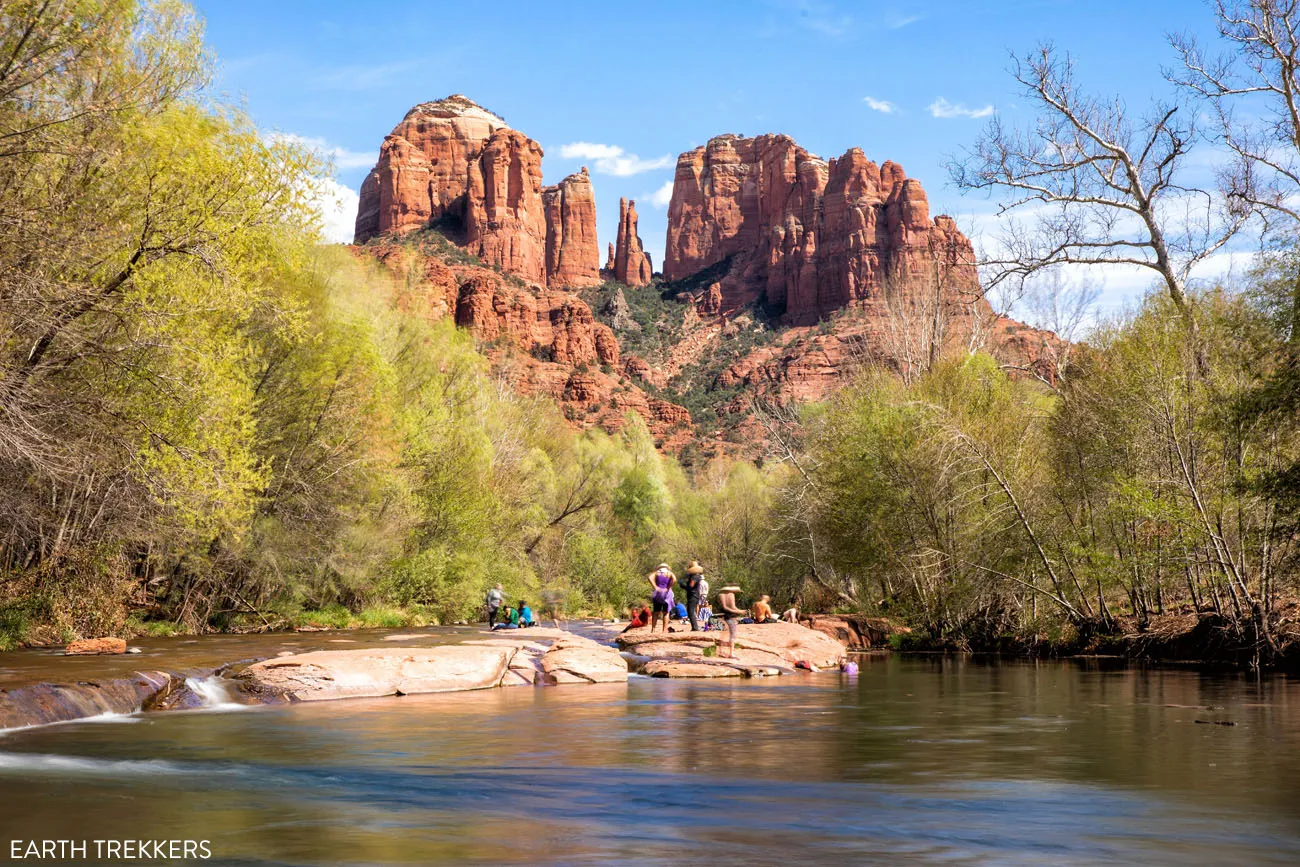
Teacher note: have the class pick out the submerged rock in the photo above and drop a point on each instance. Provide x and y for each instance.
(44, 703)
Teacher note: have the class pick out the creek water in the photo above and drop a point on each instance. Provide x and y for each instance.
(916, 760)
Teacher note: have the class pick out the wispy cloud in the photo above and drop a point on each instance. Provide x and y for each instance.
(342, 158)
(898, 22)
(945, 109)
(662, 196)
(612, 159)
(883, 106)
(357, 77)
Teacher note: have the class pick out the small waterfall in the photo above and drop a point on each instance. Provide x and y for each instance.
(213, 692)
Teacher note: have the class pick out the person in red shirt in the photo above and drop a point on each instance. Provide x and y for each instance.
(640, 617)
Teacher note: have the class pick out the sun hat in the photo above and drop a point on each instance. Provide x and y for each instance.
(663, 566)
(695, 568)
(730, 588)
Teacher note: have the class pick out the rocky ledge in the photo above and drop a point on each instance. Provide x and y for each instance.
(543, 658)
(761, 649)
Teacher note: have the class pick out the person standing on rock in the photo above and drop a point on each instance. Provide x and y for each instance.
(731, 612)
(661, 597)
(495, 597)
(693, 586)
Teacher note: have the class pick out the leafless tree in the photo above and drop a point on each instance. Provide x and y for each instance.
(1100, 185)
(1260, 73)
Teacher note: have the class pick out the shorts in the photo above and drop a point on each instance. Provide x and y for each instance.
(659, 607)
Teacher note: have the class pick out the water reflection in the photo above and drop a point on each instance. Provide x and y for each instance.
(917, 760)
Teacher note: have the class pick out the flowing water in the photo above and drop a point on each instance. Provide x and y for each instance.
(917, 760)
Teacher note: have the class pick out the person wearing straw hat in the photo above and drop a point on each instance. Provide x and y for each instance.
(693, 583)
(661, 596)
(731, 612)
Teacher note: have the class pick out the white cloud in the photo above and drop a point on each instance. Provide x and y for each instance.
(883, 106)
(662, 196)
(612, 159)
(945, 109)
(342, 158)
(337, 205)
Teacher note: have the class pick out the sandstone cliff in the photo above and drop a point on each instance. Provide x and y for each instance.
(572, 252)
(456, 165)
(805, 236)
(631, 262)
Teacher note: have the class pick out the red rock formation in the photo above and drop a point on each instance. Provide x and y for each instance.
(455, 164)
(609, 260)
(572, 254)
(423, 168)
(804, 235)
(631, 263)
(505, 224)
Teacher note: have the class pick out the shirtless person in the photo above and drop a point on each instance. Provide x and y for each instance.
(732, 614)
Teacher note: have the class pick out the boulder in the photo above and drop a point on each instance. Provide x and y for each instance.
(331, 674)
(92, 646)
(855, 631)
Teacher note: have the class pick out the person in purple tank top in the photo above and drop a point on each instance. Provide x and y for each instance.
(661, 595)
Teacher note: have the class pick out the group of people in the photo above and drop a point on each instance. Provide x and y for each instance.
(695, 588)
(517, 617)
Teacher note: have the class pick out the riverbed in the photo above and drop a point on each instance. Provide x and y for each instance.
(916, 760)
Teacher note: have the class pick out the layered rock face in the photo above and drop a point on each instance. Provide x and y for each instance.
(423, 169)
(505, 223)
(804, 235)
(631, 262)
(572, 252)
(453, 163)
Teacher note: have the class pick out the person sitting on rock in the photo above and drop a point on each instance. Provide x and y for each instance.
(640, 618)
(705, 615)
(526, 614)
(679, 611)
(510, 621)
(762, 612)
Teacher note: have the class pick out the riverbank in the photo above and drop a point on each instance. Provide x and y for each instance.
(1206, 639)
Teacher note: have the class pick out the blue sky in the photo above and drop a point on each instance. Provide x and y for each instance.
(907, 81)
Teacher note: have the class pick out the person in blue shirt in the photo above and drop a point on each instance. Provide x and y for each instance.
(680, 612)
(526, 614)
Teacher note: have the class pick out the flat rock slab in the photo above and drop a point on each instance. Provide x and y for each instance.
(573, 659)
(684, 668)
(770, 644)
(330, 674)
